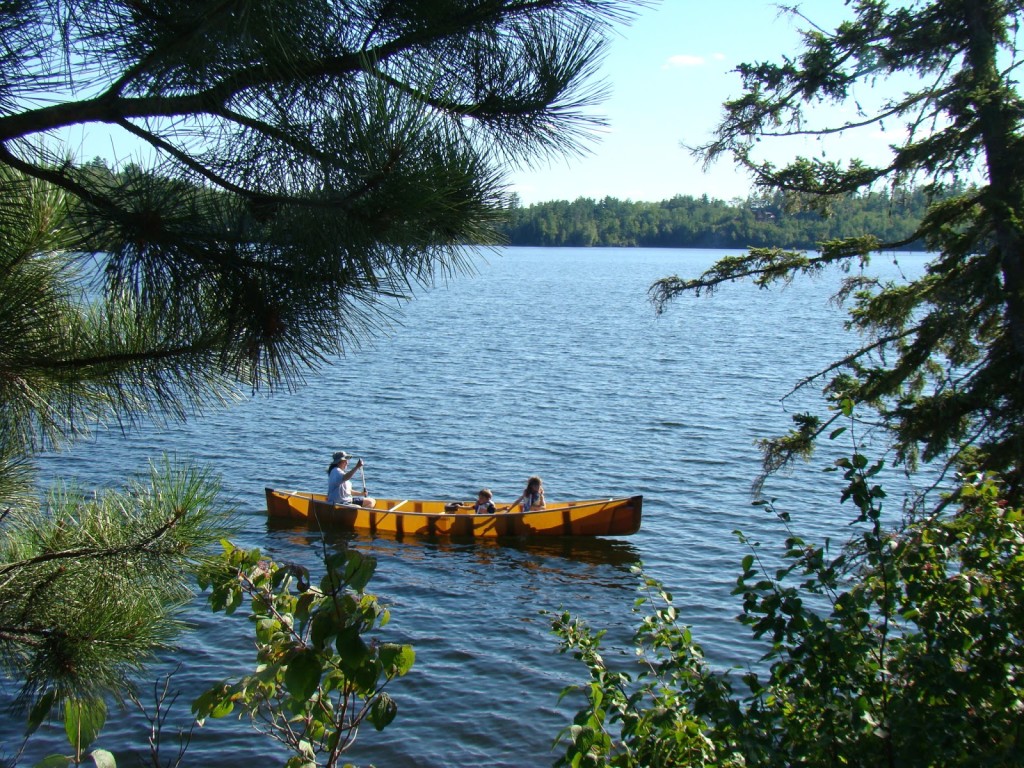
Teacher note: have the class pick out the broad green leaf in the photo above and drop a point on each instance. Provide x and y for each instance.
(266, 628)
(302, 677)
(333, 739)
(40, 711)
(351, 647)
(336, 560)
(366, 677)
(398, 657)
(359, 570)
(277, 576)
(83, 720)
(383, 711)
(304, 603)
(331, 583)
(207, 700)
(55, 761)
(235, 600)
(103, 759)
(222, 709)
(323, 627)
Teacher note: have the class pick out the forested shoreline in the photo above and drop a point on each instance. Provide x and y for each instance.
(685, 221)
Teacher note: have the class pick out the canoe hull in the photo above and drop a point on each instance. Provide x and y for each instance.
(413, 517)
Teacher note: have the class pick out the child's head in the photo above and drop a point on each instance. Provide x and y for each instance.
(485, 494)
(533, 484)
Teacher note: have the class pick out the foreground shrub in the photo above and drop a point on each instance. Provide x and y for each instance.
(905, 649)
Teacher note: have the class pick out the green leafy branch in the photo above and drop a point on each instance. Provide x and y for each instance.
(903, 649)
(317, 678)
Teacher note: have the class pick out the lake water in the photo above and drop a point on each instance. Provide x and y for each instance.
(549, 362)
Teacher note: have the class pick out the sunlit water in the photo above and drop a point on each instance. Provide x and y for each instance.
(547, 361)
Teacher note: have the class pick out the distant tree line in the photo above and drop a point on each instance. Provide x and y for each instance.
(778, 220)
(702, 222)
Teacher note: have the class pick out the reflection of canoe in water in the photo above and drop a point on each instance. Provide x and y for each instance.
(591, 517)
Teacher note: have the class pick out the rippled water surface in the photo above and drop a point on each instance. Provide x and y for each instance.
(547, 361)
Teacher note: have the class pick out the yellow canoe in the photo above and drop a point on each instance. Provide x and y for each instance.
(398, 517)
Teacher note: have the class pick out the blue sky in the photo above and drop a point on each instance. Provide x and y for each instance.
(670, 71)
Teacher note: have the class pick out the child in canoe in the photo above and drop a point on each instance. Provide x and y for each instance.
(532, 499)
(482, 506)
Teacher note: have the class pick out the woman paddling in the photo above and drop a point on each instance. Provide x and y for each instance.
(339, 482)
